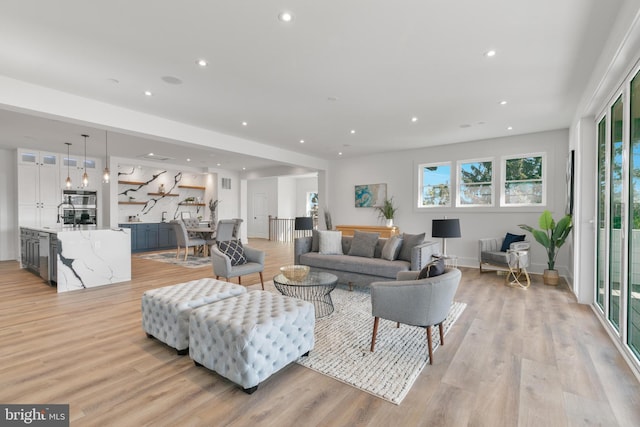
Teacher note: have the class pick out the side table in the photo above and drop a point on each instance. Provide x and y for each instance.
(518, 275)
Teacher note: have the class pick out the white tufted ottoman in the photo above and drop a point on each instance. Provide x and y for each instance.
(165, 311)
(250, 337)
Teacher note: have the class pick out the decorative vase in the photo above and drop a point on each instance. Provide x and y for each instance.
(551, 277)
(390, 222)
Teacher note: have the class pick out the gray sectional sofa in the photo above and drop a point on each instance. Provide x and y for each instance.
(361, 271)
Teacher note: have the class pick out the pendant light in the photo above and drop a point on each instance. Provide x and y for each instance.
(85, 176)
(68, 180)
(105, 173)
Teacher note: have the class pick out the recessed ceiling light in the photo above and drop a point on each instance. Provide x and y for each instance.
(339, 153)
(217, 164)
(353, 131)
(148, 93)
(244, 123)
(202, 62)
(285, 16)
(490, 54)
(414, 119)
(188, 160)
(302, 141)
(151, 154)
(503, 102)
(244, 169)
(510, 128)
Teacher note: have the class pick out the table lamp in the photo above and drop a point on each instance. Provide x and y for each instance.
(445, 228)
(303, 223)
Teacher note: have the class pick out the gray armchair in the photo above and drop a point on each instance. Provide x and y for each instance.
(424, 303)
(489, 254)
(183, 240)
(222, 264)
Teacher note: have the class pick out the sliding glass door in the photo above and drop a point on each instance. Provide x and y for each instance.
(617, 269)
(616, 208)
(633, 295)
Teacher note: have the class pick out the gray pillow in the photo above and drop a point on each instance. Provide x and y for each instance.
(363, 244)
(330, 242)
(315, 241)
(409, 241)
(391, 248)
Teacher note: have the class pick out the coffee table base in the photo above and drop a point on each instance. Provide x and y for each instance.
(319, 294)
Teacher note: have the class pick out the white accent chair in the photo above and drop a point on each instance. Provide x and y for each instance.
(489, 254)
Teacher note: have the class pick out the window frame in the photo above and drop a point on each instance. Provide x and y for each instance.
(451, 184)
(460, 183)
(504, 182)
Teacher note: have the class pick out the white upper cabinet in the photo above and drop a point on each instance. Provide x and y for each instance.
(39, 189)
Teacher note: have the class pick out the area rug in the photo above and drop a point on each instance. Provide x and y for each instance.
(170, 258)
(343, 341)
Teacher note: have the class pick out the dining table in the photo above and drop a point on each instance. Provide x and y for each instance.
(206, 233)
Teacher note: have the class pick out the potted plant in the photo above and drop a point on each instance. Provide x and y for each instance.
(387, 211)
(552, 236)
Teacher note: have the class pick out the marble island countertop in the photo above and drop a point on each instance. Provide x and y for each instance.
(57, 228)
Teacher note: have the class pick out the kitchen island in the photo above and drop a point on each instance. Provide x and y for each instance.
(77, 257)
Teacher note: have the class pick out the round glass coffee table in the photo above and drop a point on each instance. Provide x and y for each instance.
(315, 288)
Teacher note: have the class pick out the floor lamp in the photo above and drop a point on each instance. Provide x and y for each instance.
(445, 228)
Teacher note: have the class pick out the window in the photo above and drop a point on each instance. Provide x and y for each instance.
(524, 180)
(475, 183)
(435, 187)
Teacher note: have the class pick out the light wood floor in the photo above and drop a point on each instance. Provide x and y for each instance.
(514, 358)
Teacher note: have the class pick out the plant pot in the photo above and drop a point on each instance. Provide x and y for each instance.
(390, 222)
(551, 277)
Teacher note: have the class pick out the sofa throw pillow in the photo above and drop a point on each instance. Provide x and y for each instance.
(409, 241)
(234, 250)
(433, 269)
(330, 242)
(363, 244)
(509, 239)
(391, 248)
(315, 241)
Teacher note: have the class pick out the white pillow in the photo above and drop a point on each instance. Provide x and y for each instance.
(330, 242)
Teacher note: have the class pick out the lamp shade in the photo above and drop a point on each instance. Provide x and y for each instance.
(446, 228)
(304, 223)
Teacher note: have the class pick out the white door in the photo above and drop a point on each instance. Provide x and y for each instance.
(260, 216)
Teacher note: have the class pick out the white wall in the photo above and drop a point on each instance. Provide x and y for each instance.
(8, 206)
(399, 171)
(287, 197)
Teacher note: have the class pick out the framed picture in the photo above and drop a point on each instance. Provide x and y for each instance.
(370, 195)
(570, 182)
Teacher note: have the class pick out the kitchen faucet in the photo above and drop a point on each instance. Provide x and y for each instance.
(67, 203)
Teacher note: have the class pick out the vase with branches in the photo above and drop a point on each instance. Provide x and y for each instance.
(213, 218)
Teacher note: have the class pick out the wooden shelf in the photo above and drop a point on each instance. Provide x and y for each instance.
(132, 203)
(193, 187)
(163, 194)
(132, 182)
(191, 204)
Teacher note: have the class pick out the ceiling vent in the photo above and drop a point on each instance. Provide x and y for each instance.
(155, 157)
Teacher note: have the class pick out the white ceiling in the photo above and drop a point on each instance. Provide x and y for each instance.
(368, 65)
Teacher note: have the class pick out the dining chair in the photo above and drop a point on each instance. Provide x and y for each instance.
(183, 240)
